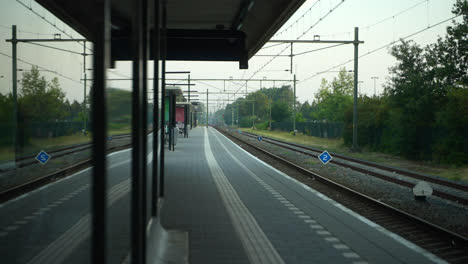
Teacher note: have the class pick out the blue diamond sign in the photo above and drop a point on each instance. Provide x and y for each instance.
(325, 157)
(259, 138)
(43, 157)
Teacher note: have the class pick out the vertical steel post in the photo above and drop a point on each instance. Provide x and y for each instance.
(294, 106)
(163, 93)
(238, 116)
(84, 86)
(156, 49)
(270, 113)
(253, 113)
(101, 62)
(14, 73)
(232, 115)
(355, 114)
(169, 123)
(206, 108)
(189, 121)
(291, 66)
(188, 80)
(139, 131)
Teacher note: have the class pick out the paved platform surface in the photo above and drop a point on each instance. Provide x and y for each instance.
(238, 209)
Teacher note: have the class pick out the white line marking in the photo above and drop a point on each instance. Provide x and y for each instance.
(3, 234)
(332, 239)
(316, 226)
(256, 244)
(390, 234)
(310, 221)
(341, 246)
(11, 228)
(323, 233)
(21, 222)
(58, 251)
(350, 255)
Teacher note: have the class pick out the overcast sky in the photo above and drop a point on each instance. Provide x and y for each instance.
(337, 25)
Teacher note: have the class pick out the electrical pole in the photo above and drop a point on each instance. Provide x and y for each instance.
(294, 106)
(206, 108)
(375, 79)
(291, 67)
(232, 115)
(270, 113)
(14, 42)
(84, 87)
(355, 114)
(253, 114)
(189, 107)
(237, 115)
(246, 89)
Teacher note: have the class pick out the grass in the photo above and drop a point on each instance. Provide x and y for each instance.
(117, 128)
(337, 146)
(38, 144)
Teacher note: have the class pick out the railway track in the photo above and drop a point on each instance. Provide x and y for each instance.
(443, 243)
(26, 161)
(442, 188)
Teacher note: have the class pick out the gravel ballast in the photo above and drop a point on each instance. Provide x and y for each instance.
(444, 213)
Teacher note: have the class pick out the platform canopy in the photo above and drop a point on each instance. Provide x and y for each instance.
(206, 30)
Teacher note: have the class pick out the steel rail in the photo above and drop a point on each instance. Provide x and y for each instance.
(41, 181)
(455, 242)
(74, 148)
(438, 193)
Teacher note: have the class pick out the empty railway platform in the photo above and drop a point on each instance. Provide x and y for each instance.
(235, 208)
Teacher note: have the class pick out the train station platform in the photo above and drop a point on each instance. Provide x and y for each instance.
(237, 209)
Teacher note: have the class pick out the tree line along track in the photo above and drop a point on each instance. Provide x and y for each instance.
(459, 188)
(444, 243)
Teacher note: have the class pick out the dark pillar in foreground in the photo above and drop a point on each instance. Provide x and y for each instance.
(101, 62)
(156, 125)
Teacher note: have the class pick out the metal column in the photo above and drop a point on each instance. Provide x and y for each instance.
(14, 73)
(163, 93)
(139, 131)
(101, 62)
(253, 114)
(294, 107)
(84, 86)
(355, 114)
(156, 126)
(291, 66)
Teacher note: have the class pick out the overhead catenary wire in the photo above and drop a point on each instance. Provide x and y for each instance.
(43, 68)
(55, 48)
(369, 26)
(305, 32)
(328, 47)
(382, 47)
(48, 21)
(297, 20)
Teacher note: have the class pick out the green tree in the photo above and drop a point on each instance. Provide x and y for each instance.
(41, 101)
(334, 98)
(280, 111)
